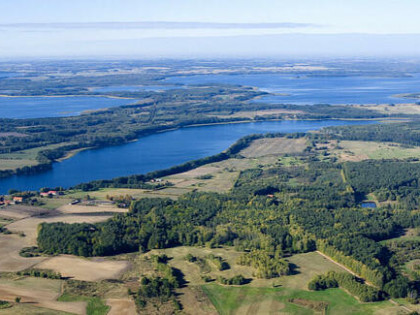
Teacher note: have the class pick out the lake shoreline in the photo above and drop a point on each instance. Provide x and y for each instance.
(71, 95)
(158, 155)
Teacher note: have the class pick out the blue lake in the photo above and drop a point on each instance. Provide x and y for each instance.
(155, 152)
(368, 204)
(301, 90)
(37, 107)
(133, 88)
(4, 74)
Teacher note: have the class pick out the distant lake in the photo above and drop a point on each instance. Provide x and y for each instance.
(154, 152)
(134, 88)
(4, 74)
(37, 107)
(301, 89)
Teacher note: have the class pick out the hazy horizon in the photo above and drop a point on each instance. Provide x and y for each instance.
(203, 29)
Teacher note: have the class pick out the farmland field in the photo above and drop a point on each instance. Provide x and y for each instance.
(274, 146)
(252, 300)
(81, 268)
(362, 150)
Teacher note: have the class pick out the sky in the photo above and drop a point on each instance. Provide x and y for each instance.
(211, 28)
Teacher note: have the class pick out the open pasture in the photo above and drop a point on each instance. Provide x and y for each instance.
(362, 150)
(18, 159)
(283, 300)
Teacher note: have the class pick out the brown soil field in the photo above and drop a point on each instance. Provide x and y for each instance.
(25, 309)
(195, 301)
(82, 209)
(85, 269)
(200, 171)
(20, 211)
(121, 306)
(40, 297)
(274, 146)
(10, 260)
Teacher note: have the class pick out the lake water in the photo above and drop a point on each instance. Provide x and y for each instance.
(4, 74)
(301, 90)
(368, 204)
(158, 151)
(290, 89)
(134, 88)
(37, 107)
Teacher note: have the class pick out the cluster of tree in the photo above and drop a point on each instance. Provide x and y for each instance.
(190, 258)
(235, 280)
(165, 271)
(40, 273)
(161, 286)
(5, 304)
(219, 262)
(405, 251)
(155, 287)
(32, 251)
(267, 266)
(202, 263)
(323, 282)
(375, 273)
(4, 230)
(349, 282)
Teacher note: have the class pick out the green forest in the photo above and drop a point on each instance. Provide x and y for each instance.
(274, 212)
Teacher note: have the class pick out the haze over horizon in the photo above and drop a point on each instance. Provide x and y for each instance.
(187, 28)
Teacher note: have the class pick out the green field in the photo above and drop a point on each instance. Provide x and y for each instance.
(248, 300)
(12, 161)
(361, 150)
(95, 306)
